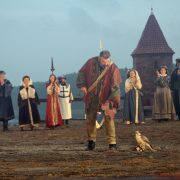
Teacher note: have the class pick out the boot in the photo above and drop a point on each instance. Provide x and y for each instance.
(31, 127)
(5, 125)
(91, 146)
(67, 123)
(112, 147)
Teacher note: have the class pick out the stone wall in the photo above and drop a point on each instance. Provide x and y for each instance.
(147, 65)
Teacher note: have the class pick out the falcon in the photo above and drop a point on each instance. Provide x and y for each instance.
(143, 142)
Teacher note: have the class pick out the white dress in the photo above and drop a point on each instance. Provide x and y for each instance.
(65, 99)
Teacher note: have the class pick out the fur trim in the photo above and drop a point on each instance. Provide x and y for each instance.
(30, 94)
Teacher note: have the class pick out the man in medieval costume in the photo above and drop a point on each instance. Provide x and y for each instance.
(175, 87)
(65, 99)
(99, 79)
(6, 107)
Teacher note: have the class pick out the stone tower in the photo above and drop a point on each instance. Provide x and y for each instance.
(151, 52)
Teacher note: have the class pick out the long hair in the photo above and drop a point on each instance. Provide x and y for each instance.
(55, 80)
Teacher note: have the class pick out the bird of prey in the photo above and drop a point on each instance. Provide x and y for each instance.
(143, 142)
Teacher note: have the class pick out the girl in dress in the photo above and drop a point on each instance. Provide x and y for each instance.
(53, 114)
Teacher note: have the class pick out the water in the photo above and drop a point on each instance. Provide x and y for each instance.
(78, 112)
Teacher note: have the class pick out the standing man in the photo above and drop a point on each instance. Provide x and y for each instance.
(99, 79)
(65, 99)
(6, 107)
(175, 87)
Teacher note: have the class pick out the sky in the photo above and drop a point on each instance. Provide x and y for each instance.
(33, 31)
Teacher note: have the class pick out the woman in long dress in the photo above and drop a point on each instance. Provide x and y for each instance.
(53, 114)
(6, 106)
(163, 107)
(133, 109)
(28, 101)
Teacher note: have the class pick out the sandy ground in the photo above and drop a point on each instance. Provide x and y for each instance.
(45, 154)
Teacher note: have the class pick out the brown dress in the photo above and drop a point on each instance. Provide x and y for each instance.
(163, 107)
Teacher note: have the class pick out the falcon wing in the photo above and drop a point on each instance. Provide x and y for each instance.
(145, 139)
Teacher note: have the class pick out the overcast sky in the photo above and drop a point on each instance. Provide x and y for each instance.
(31, 31)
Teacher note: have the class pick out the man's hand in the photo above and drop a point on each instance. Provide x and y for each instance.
(109, 112)
(84, 90)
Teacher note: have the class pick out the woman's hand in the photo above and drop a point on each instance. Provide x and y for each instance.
(158, 74)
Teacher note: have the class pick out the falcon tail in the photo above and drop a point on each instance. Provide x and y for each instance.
(151, 148)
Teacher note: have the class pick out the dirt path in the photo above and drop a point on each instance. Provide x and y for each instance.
(52, 154)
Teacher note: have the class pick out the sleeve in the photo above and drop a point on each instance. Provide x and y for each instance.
(172, 81)
(57, 89)
(8, 89)
(71, 94)
(128, 86)
(36, 99)
(81, 77)
(157, 81)
(21, 102)
(49, 90)
(115, 88)
(138, 84)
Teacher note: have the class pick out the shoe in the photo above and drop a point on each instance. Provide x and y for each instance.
(5, 125)
(5, 129)
(31, 127)
(128, 122)
(91, 146)
(22, 129)
(112, 147)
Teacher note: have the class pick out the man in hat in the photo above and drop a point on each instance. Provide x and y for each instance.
(99, 79)
(175, 87)
(6, 107)
(65, 99)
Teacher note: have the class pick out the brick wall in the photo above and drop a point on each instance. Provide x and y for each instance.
(146, 65)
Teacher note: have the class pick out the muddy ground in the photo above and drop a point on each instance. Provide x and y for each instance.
(45, 154)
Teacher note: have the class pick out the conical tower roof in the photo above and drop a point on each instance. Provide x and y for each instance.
(152, 40)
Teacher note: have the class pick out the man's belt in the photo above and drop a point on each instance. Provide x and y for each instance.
(64, 96)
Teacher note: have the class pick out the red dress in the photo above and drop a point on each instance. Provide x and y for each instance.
(53, 113)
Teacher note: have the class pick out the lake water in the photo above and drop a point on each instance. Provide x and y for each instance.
(77, 112)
